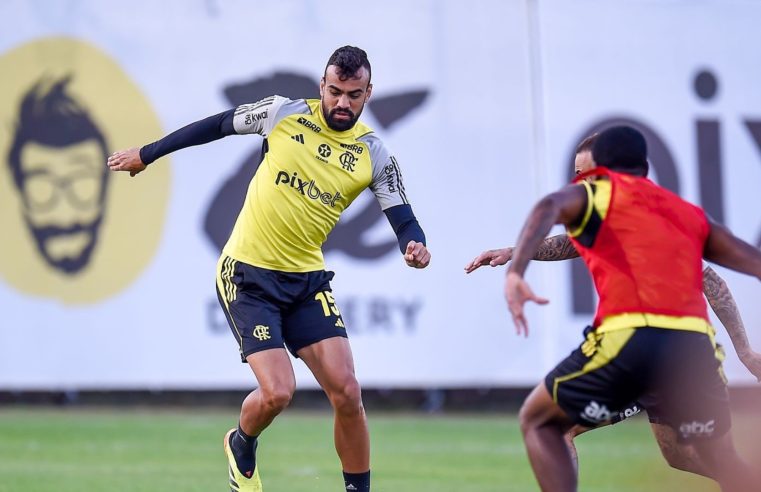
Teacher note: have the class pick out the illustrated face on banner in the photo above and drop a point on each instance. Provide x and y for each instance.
(57, 160)
(73, 231)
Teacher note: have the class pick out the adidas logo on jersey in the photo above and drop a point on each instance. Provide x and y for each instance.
(299, 138)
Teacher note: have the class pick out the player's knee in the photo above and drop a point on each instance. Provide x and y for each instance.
(347, 399)
(718, 459)
(570, 434)
(534, 411)
(527, 417)
(277, 399)
(678, 460)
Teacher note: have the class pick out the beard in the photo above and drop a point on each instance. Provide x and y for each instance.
(70, 264)
(340, 125)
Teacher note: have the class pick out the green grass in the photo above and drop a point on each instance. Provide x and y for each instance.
(155, 451)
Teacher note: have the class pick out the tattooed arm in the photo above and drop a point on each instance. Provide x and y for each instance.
(553, 248)
(723, 304)
(566, 207)
(556, 248)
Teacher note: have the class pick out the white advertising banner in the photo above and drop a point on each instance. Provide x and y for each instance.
(107, 281)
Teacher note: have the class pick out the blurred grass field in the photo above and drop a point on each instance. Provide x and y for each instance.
(149, 450)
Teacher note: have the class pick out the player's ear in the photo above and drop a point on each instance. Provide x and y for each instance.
(322, 87)
(368, 92)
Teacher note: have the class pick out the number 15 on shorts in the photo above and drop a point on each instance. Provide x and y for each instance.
(329, 307)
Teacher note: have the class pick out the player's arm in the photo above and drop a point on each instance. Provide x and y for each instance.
(566, 207)
(249, 118)
(724, 248)
(135, 160)
(409, 234)
(723, 304)
(388, 188)
(554, 248)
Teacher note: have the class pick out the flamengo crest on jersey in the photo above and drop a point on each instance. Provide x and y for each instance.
(308, 176)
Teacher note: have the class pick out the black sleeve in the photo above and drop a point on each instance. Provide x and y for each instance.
(405, 225)
(201, 132)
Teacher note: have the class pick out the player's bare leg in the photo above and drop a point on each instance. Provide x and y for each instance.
(277, 383)
(569, 437)
(721, 460)
(274, 373)
(544, 426)
(678, 455)
(332, 364)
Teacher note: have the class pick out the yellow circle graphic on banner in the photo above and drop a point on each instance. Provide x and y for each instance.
(71, 229)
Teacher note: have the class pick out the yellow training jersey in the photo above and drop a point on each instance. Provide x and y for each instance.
(308, 176)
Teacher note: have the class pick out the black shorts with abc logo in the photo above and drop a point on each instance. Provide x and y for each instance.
(675, 375)
(271, 309)
(651, 403)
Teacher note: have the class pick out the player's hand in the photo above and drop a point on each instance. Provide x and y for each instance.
(127, 160)
(517, 293)
(752, 360)
(417, 255)
(492, 257)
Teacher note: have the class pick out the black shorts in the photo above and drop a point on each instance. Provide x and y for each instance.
(629, 411)
(673, 374)
(271, 309)
(651, 403)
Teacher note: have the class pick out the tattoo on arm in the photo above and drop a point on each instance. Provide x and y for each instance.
(556, 248)
(562, 207)
(723, 304)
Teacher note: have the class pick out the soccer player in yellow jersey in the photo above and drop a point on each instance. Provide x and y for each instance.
(271, 279)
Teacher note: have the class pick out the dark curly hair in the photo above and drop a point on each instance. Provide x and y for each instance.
(348, 60)
(621, 148)
(50, 116)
